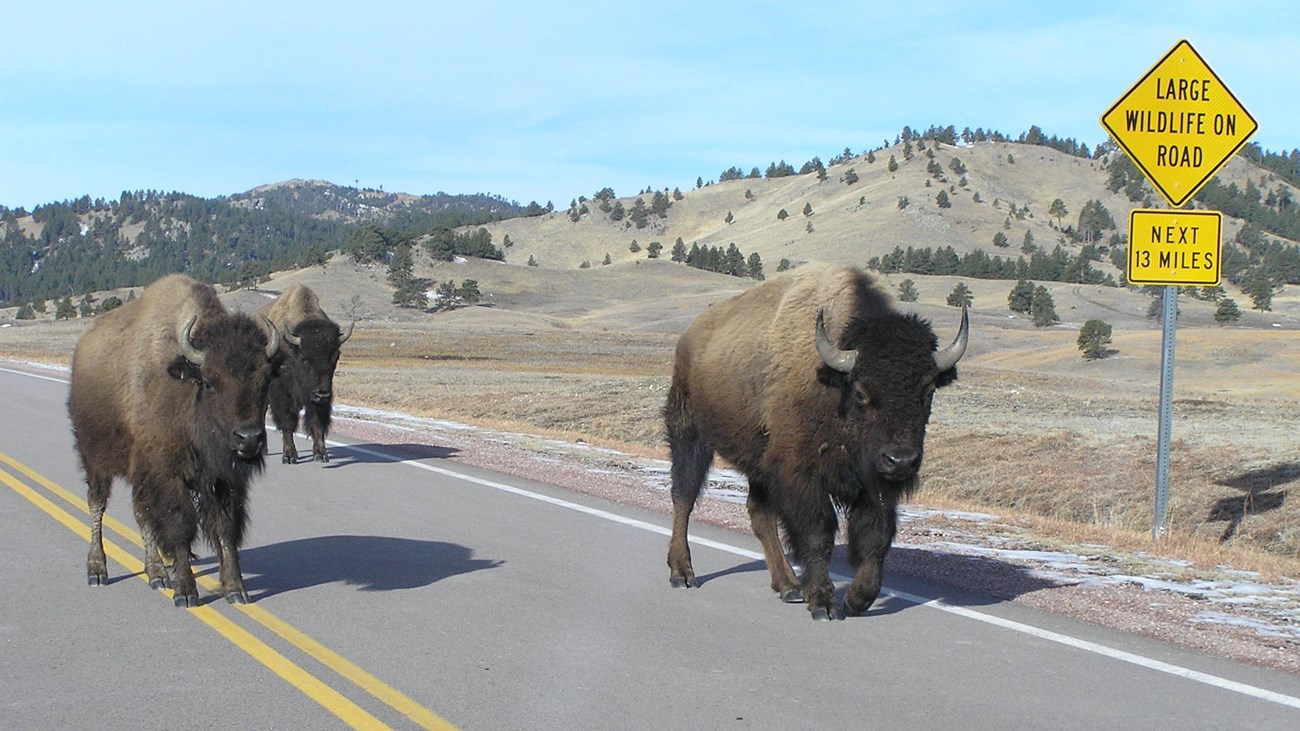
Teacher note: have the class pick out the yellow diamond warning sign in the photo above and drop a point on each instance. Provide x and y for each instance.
(1179, 124)
(1174, 247)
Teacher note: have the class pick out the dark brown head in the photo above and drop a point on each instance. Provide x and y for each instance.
(312, 356)
(887, 368)
(227, 358)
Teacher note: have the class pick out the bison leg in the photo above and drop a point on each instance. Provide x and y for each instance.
(810, 522)
(766, 528)
(153, 565)
(284, 414)
(169, 525)
(289, 455)
(185, 592)
(691, 457)
(232, 580)
(871, 532)
(318, 419)
(97, 500)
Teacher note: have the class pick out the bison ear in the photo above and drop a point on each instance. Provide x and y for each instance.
(183, 370)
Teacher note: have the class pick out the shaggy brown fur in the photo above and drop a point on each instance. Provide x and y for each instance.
(303, 378)
(168, 392)
(750, 384)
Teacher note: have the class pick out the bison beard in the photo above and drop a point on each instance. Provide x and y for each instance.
(814, 422)
(168, 392)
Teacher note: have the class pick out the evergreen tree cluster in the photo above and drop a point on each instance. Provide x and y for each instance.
(1057, 266)
(445, 244)
(83, 245)
(729, 261)
(1275, 213)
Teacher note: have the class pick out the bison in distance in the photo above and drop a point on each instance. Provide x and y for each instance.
(169, 392)
(303, 378)
(815, 388)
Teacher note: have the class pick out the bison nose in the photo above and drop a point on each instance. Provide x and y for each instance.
(899, 461)
(321, 395)
(248, 439)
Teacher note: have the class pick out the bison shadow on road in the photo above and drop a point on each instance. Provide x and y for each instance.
(956, 579)
(347, 454)
(959, 579)
(371, 563)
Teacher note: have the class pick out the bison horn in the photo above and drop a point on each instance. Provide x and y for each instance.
(344, 337)
(191, 353)
(291, 338)
(840, 360)
(947, 358)
(273, 343)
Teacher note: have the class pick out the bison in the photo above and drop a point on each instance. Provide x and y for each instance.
(817, 422)
(303, 378)
(169, 392)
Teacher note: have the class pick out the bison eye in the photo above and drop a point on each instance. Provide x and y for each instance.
(861, 395)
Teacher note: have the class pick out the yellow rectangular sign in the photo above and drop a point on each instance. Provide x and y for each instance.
(1181, 248)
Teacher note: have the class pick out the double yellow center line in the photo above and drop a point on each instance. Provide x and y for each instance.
(335, 702)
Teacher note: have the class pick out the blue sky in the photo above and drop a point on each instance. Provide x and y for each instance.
(547, 101)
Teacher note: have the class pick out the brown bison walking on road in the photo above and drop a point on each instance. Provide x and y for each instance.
(815, 422)
(169, 392)
(303, 379)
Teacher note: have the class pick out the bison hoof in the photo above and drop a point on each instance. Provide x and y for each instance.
(286, 459)
(237, 597)
(97, 580)
(159, 584)
(683, 582)
(792, 596)
(322, 458)
(187, 601)
(827, 614)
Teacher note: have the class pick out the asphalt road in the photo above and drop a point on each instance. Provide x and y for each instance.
(394, 588)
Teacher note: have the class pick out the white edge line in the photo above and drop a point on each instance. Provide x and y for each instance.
(34, 375)
(1026, 629)
(1032, 631)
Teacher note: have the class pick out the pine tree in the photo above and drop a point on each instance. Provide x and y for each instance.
(1043, 308)
(907, 291)
(679, 251)
(754, 267)
(1227, 311)
(409, 291)
(1021, 297)
(1058, 211)
(1094, 336)
(961, 296)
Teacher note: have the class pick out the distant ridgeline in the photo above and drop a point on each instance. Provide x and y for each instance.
(75, 247)
(72, 248)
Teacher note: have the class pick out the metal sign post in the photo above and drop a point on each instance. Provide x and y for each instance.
(1160, 523)
(1180, 125)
